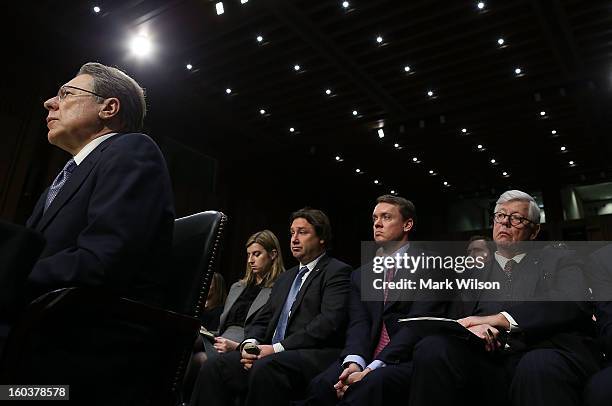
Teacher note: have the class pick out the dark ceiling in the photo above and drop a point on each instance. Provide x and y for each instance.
(563, 48)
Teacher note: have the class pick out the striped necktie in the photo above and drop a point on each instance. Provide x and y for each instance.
(59, 182)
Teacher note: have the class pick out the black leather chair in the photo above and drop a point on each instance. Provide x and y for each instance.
(164, 336)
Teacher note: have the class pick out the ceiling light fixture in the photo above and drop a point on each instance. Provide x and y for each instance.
(189, 66)
(219, 8)
(259, 38)
(96, 9)
(381, 133)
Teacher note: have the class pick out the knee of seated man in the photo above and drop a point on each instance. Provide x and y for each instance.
(431, 349)
(261, 368)
(540, 362)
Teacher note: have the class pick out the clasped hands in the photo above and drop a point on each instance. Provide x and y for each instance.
(487, 328)
(247, 359)
(351, 374)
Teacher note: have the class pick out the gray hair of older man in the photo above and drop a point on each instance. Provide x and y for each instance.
(510, 195)
(112, 82)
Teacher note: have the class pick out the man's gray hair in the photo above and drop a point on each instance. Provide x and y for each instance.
(113, 82)
(510, 195)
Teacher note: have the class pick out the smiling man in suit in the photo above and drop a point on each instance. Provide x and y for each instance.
(375, 365)
(541, 307)
(298, 332)
(108, 215)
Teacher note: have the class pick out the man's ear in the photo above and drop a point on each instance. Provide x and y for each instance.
(408, 224)
(110, 108)
(273, 254)
(534, 232)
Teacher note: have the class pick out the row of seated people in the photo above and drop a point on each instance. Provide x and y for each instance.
(107, 220)
(317, 341)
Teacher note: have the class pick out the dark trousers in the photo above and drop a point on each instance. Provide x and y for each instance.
(452, 371)
(383, 386)
(598, 391)
(274, 380)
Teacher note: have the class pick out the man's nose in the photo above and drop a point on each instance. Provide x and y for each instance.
(51, 104)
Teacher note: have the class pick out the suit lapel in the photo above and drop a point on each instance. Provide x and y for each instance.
(38, 210)
(259, 301)
(229, 302)
(315, 273)
(81, 172)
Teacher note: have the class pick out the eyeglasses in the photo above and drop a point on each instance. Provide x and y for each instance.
(64, 91)
(515, 220)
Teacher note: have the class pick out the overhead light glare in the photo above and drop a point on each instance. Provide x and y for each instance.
(381, 133)
(296, 67)
(141, 45)
(345, 4)
(189, 66)
(96, 9)
(228, 90)
(379, 39)
(500, 41)
(480, 5)
(259, 38)
(219, 8)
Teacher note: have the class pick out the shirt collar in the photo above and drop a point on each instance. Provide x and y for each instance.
(311, 265)
(91, 145)
(502, 261)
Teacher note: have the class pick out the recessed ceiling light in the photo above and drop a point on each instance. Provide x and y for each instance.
(345, 4)
(262, 112)
(381, 133)
(396, 145)
(291, 129)
(464, 130)
(379, 39)
(296, 67)
(328, 91)
(96, 9)
(244, 1)
(563, 148)
(479, 146)
(406, 68)
(141, 45)
(554, 132)
(355, 112)
(518, 71)
(219, 8)
(446, 183)
(500, 41)
(572, 163)
(542, 113)
(376, 181)
(506, 174)
(358, 170)
(189, 66)
(259, 38)
(493, 160)
(228, 90)
(415, 159)
(480, 5)
(392, 192)
(338, 158)
(430, 93)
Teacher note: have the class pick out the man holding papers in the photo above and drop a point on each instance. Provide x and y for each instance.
(548, 354)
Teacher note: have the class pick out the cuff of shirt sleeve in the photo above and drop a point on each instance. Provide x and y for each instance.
(376, 364)
(513, 324)
(357, 359)
(278, 347)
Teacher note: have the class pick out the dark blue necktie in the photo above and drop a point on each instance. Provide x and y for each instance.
(281, 327)
(59, 182)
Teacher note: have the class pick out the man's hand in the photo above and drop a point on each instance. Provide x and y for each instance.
(224, 345)
(247, 359)
(489, 334)
(496, 320)
(342, 385)
(265, 350)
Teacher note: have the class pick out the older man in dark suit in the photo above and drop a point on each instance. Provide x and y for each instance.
(108, 215)
(107, 219)
(541, 306)
(298, 332)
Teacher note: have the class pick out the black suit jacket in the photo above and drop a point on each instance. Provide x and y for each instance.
(600, 277)
(319, 314)
(111, 224)
(366, 317)
(547, 319)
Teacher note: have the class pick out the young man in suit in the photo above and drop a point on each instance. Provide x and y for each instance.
(108, 215)
(298, 332)
(541, 306)
(374, 367)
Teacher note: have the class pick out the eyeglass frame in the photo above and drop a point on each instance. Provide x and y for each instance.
(60, 97)
(509, 217)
